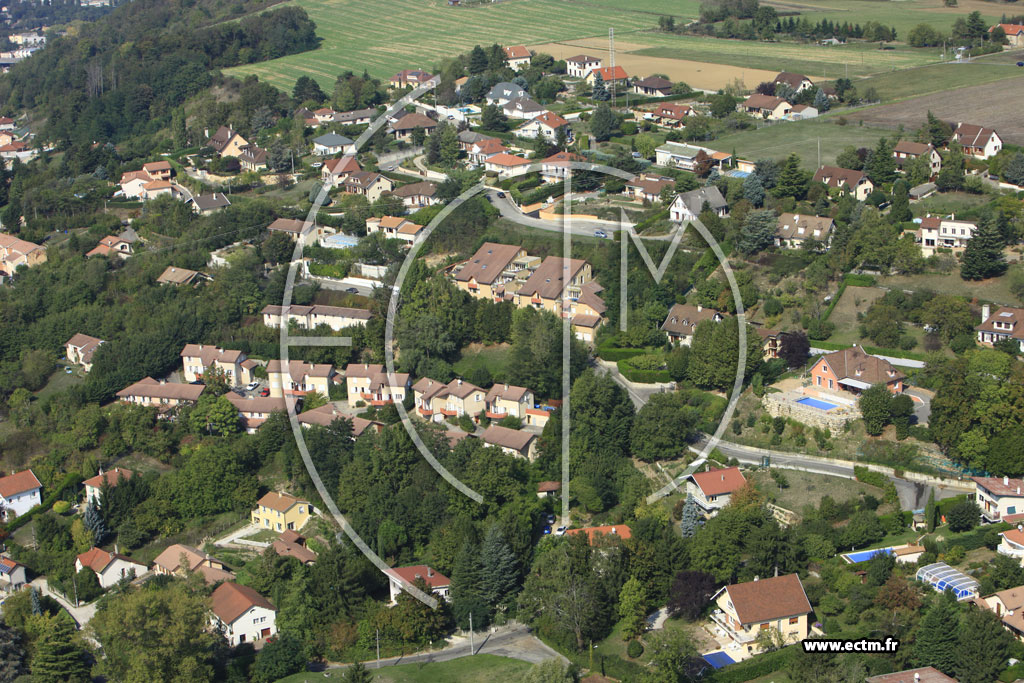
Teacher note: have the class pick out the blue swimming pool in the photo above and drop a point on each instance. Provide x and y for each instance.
(816, 403)
(718, 659)
(865, 555)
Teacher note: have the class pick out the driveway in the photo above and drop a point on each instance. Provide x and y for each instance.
(427, 173)
(922, 404)
(81, 614)
(237, 538)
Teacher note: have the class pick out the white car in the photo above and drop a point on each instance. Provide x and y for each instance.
(252, 385)
(317, 164)
(560, 531)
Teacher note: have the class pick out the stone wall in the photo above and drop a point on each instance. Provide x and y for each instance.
(785, 405)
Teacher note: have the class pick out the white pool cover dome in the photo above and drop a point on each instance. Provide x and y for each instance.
(942, 577)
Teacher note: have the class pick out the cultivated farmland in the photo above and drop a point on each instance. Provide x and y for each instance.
(997, 105)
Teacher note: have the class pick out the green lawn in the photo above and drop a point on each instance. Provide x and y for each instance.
(996, 290)
(419, 34)
(807, 488)
(476, 669)
(934, 78)
(802, 137)
(495, 358)
(903, 15)
(59, 381)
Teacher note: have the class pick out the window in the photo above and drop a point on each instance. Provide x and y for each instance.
(830, 384)
(794, 620)
(1012, 510)
(764, 627)
(302, 509)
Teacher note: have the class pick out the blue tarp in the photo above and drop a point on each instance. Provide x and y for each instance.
(718, 659)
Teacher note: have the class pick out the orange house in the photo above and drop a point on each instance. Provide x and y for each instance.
(853, 370)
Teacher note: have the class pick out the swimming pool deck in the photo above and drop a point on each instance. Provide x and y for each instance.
(788, 404)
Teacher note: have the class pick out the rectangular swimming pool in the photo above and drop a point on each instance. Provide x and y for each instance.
(718, 659)
(816, 403)
(865, 555)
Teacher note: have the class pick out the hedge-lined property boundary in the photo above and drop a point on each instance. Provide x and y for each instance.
(70, 480)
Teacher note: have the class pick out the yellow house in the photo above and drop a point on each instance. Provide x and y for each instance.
(280, 511)
(437, 400)
(227, 142)
(747, 609)
(490, 268)
(299, 378)
(370, 383)
(506, 399)
(197, 359)
(545, 286)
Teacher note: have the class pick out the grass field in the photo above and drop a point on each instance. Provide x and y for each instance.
(476, 669)
(495, 358)
(854, 300)
(936, 78)
(903, 15)
(421, 33)
(778, 140)
(806, 488)
(996, 290)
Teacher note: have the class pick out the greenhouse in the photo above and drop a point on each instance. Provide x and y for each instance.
(942, 577)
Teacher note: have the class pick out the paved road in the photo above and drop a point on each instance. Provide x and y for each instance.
(514, 641)
(81, 614)
(508, 209)
(427, 173)
(396, 157)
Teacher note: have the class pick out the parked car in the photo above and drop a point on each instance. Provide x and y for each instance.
(317, 164)
(600, 233)
(550, 519)
(1020, 63)
(560, 531)
(265, 392)
(547, 530)
(251, 385)
(352, 290)
(501, 195)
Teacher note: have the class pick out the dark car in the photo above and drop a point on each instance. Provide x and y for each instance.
(501, 195)
(1020, 63)
(352, 290)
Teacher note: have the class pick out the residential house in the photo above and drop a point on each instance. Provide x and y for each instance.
(673, 114)
(746, 609)
(198, 359)
(713, 488)
(908, 553)
(205, 204)
(109, 567)
(158, 170)
(682, 321)
(522, 108)
(241, 615)
(179, 276)
(369, 383)
(555, 283)
(356, 117)
(611, 75)
(436, 400)
(328, 413)
(15, 252)
(926, 674)
(766, 106)
(771, 342)
(111, 478)
(180, 560)
(160, 188)
(1014, 33)
(506, 165)
(937, 233)
(978, 141)
(418, 195)
(335, 171)
(518, 56)
(596, 533)
(400, 577)
(133, 184)
(253, 411)
(688, 157)
(548, 489)
(547, 126)
(647, 187)
(253, 158)
(688, 205)
(504, 92)
(796, 82)
(394, 227)
(653, 86)
(227, 142)
(7, 123)
(79, 349)
(292, 544)
(312, 317)
(468, 138)
(16, 150)
(506, 399)
(12, 575)
(906, 151)
(295, 228)
(332, 143)
(19, 493)
(999, 497)
(581, 65)
(490, 268)
(1009, 607)
(853, 371)
(409, 78)
(480, 151)
(299, 378)
(403, 127)
(794, 230)
(799, 112)
(585, 312)
(280, 511)
(161, 394)
(846, 180)
(511, 441)
(1005, 324)
(556, 167)
(370, 185)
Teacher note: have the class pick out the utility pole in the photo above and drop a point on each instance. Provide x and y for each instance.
(819, 152)
(611, 53)
(472, 641)
(74, 582)
(291, 155)
(378, 648)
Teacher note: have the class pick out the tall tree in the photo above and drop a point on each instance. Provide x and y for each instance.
(899, 211)
(937, 638)
(498, 570)
(759, 229)
(477, 63)
(983, 649)
(793, 180)
(602, 123)
(983, 257)
(60, 655)
(600, 93)
(690, 522)
(874, 406)
(632, 608)
(881, 167)
(663, 427)
(690, 593)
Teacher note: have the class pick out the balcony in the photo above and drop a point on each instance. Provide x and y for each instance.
(722, 621)
(1010, 550)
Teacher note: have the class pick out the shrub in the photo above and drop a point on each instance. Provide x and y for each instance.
(634, 649)
(61, 507)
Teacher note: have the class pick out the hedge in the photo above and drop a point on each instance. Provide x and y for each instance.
(612, 353)
(974, 539)
(870, 477)
(541, 193)
(648, 222)
(755, 667)
(70, 480)
(642, 376)
(850, 279)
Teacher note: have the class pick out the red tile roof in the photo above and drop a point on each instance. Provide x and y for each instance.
(433, 579)
(231, 601)
(19, 482)
(110, 476)
(610, 73)
(595, 532)
(773, 598)
(548, 486)
(516, 52)
(716, 482)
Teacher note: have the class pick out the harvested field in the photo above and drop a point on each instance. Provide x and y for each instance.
(997, 105)
(701, 75)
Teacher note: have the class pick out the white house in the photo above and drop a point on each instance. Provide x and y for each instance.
(518, 56)
(12, 575)
(241, 615)
(998, 497)
(19, 493)
(678, 155)
(79, 350)
(505, 92)
(438, 583)
(713, 489)
(944, 233)
(109, 567)
(1007, 323)
(978, 141)
(688, 205)
(546, 125)
(580, 65)
(332, 143)
(94, 485)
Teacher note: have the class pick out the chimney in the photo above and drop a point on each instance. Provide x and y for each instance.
(430, 572)
(1006, 481)
(917, 677)
(699, 308)
(986, 310)
(460, 381)
(756, 577)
